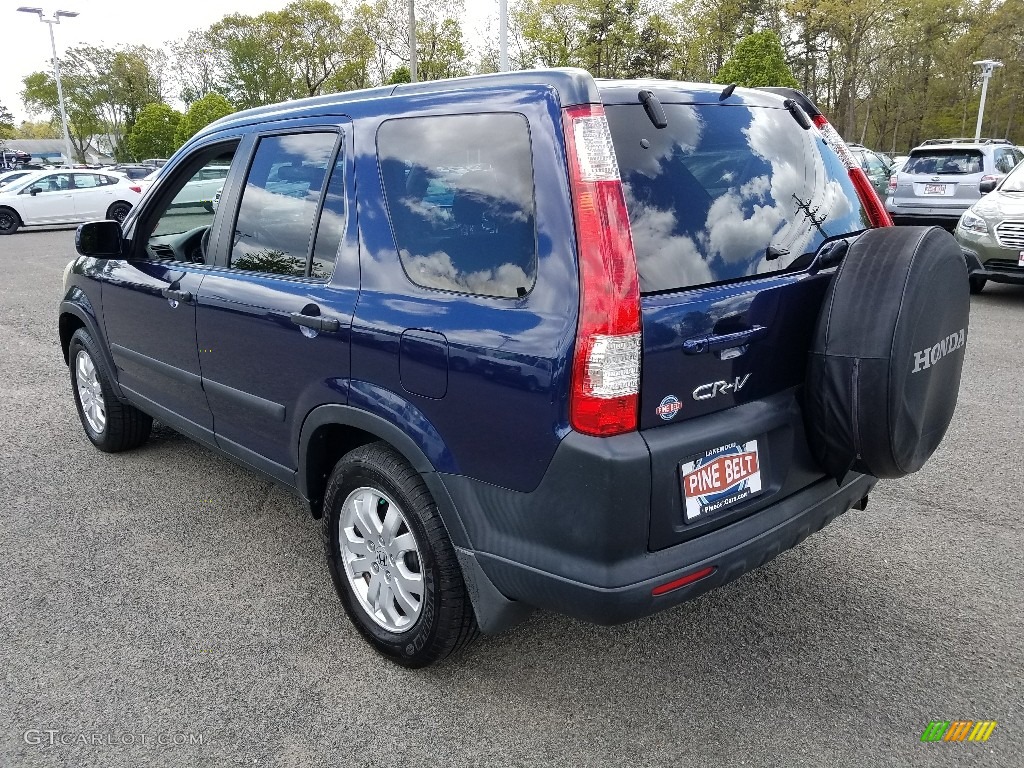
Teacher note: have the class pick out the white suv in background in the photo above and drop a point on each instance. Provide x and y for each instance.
(941, 178)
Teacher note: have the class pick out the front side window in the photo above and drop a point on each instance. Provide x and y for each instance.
(274, 228)
(459, 191)
(180, 229)
(54, 182)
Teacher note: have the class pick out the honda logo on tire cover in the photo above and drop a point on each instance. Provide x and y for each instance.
(930, 356)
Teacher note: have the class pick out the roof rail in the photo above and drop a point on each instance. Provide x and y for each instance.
(965, 140)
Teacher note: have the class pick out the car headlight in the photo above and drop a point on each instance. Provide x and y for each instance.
(972, 223)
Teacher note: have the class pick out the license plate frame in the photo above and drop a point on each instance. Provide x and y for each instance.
(936, 190)
(719, 479)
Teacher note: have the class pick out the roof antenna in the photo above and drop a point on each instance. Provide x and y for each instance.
(727, 92)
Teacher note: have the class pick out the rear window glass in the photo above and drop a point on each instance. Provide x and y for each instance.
(459, 190)
(935, 161)
(708, 194)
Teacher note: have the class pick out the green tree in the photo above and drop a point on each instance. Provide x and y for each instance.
(758, 60)
(7, 130)
(196, 64)
(255, 69)
(313, 42)
(204, 111)
(153, 134)
(399, 76)
(84, 121)
(104, 90)
(42, 129)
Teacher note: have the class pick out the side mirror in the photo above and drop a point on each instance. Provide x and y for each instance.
(987, 186)
(100, 239)
(34, 191)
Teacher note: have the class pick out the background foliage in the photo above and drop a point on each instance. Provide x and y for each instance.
(888, 74)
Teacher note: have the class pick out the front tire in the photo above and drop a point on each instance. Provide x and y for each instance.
(9, 221)
(111, 425)
(391, 560)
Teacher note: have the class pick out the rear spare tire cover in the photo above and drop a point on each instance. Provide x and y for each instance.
(887, 354)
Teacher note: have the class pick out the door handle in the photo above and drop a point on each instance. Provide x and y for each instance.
(715, 342)
(316, 322)
(170, 293)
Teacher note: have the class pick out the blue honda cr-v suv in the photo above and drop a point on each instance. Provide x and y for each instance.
(526, 340)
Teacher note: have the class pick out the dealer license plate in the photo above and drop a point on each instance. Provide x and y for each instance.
(720, 478)
(935, 189)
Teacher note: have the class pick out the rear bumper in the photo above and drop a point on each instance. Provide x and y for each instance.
(579, 543)
(924, 215)
(730, 552)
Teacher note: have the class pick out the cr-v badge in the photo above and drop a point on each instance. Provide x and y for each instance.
(707, 391)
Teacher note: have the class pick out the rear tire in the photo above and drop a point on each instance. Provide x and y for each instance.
(9, 221)
(111, 425)
(119, 211)
(977, 283)
(392, 563)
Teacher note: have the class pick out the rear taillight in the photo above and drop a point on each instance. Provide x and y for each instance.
(989, 177)
(877, 215)
(894, 182)
(606, 364)
(134, 188)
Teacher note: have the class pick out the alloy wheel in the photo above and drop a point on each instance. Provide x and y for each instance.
(382, 560)
(90, 393)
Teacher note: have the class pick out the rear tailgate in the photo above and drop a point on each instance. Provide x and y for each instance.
(727, 205)
(941, 177)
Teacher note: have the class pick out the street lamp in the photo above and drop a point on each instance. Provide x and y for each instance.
(987, 67)
(503, 35)
(56, 70)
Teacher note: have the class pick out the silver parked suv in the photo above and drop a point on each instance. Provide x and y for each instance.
(941, 177)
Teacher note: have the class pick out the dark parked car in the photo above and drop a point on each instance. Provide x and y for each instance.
(133, 172)
(527, 340)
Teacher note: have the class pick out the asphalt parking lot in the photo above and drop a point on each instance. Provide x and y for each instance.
(168, 594)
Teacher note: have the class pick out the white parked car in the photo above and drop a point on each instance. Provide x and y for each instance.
(65, 197)
(147, 181)
(8, 177)
(203, 187)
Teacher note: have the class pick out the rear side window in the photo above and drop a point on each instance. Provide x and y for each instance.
(1005, 160)
(708, 194)
(945, 161)
(459, 192)
(273, 231)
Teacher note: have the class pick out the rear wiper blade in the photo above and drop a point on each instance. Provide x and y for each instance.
(652, 106)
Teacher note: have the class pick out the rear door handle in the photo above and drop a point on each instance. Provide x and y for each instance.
(716, 342)
(316, 322)
(170, 293)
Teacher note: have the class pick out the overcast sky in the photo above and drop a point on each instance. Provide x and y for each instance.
(25, 46)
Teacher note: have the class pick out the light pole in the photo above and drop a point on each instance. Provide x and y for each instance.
(503, 35)
(56, 71)
(987, 67)
(412, 41)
